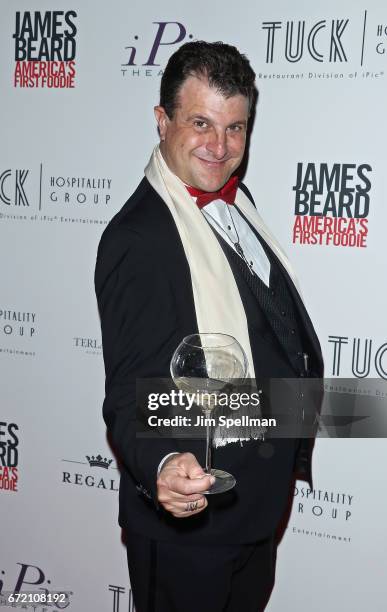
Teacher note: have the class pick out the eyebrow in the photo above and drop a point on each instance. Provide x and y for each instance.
(208, 120)
(200, 117)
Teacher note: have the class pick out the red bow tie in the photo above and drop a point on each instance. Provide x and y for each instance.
(227, 193)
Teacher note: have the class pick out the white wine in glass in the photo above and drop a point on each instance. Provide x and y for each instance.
(205, 364)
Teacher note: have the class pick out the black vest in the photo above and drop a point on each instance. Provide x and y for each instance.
(278, 341)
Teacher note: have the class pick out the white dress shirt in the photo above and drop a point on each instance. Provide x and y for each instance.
(230, 225)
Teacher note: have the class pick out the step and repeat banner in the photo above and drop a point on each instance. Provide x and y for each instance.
(79, 81)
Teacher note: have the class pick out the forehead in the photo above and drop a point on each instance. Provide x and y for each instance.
(197, 97)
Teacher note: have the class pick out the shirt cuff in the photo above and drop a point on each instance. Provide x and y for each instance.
(163, 460)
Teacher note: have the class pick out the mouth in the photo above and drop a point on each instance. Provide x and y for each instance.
(212, 163)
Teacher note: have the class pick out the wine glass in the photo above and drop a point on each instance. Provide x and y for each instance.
(206, 364)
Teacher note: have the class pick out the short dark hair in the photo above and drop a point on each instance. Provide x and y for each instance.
(226, 69)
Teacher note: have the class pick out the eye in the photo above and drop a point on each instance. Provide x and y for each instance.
(237, 127)
(199, 123)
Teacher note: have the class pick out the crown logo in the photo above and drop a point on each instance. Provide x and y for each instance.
(99, 461)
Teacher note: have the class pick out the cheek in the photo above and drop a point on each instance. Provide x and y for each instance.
(238, 146)
(184, 145)
(195, 142)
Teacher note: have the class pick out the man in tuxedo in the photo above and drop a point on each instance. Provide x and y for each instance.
(189, 253)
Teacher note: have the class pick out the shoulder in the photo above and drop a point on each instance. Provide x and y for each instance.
(143, 230)
(137, 208)
(139, 220)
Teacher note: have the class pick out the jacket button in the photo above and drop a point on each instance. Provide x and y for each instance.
(293, 331)
(283, 313)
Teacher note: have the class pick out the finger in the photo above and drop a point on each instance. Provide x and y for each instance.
(166, 495)
(187, 510)
(174, 484)
(191, 466)
(194, 470)
(188, 486)
(183, 464)
(189, 506)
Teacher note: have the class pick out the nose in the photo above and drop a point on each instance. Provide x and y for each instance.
(217, 144)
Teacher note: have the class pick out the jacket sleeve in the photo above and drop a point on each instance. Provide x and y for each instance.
(138, 322)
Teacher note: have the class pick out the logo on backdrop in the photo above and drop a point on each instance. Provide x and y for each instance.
(45, 49)
(32, 579)
(13, 191)
(148, 59)
(17, 327)
(317, 507)
(9, 457)
(91, 346)
(332, 204)
(340, 45)
(95, 473)
(119, 597)
(322, 40)
(79, 190)
(37, 194)
(361, 357)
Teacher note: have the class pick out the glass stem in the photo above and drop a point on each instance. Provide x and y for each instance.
(207, 414)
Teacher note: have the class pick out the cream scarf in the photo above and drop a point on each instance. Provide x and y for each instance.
(218, 304)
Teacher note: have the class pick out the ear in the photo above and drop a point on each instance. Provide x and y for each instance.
(162, 121)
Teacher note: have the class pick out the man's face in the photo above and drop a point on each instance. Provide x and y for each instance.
(205, 140)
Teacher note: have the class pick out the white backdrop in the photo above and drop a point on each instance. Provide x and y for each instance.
(70, 157)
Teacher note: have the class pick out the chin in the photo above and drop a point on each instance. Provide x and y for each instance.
(210, 186)
(212, 183)
(211, 179)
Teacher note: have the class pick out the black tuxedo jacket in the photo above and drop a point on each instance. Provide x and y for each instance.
(146, 305)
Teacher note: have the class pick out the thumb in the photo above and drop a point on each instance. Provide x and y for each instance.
(195, 470)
